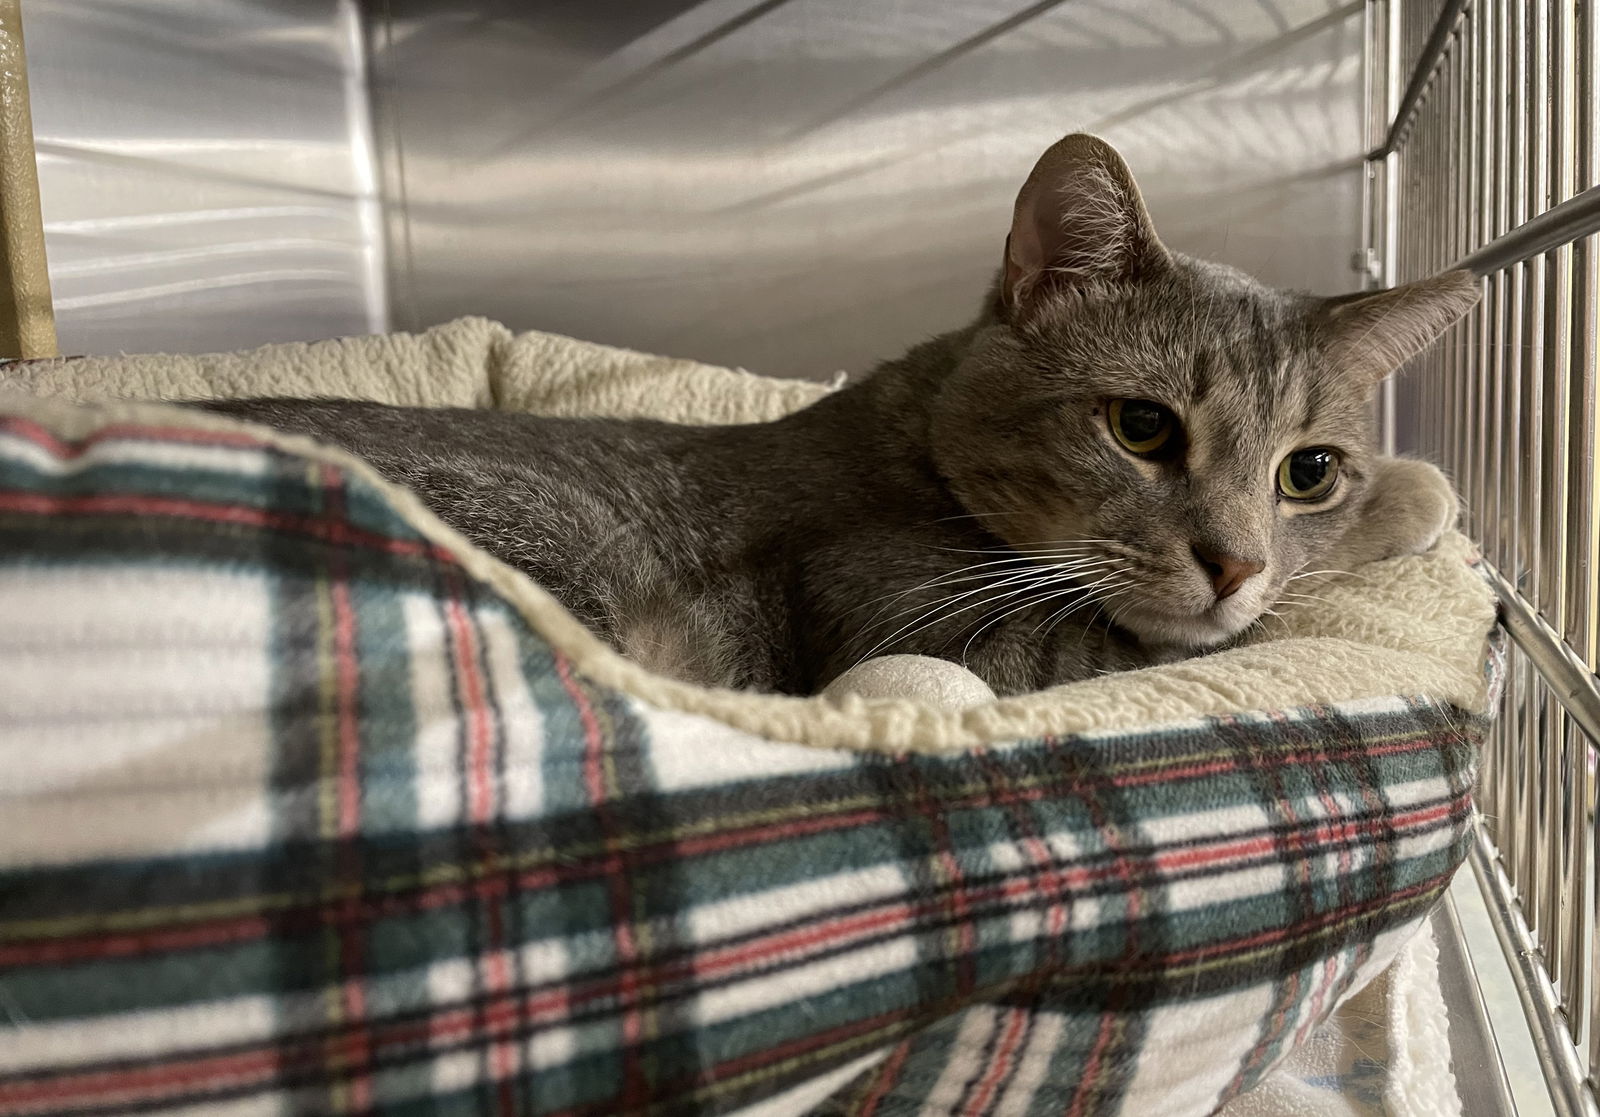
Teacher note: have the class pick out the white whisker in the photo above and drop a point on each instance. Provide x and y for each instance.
(1083, 592)
(1119, 583)
(1314, 573)
(994, 578)
(932, 615)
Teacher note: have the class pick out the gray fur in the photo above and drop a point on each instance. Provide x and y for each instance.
(776, 556)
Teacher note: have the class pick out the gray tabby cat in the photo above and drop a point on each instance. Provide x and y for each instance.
(1124, 460)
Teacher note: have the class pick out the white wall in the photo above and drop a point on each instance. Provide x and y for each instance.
(201, 170)
(798, 186)
(795, 186)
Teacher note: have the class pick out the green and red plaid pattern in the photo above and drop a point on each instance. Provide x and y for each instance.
(302, 818)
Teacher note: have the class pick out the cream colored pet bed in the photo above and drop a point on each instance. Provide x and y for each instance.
(310, 803)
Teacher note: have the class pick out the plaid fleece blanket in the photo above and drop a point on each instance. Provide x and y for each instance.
(302, 816)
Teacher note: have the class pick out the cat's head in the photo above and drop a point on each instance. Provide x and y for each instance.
(1189, 437)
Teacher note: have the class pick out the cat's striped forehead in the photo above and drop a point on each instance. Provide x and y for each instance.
(1259, 385)
(1237, 362)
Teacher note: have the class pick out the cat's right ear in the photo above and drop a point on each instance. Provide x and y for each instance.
(1079, 221)
(1373, 333)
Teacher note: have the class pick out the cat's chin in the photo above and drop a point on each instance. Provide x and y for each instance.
(1191, 632)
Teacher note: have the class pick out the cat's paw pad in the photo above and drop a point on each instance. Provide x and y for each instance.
(1409, 507)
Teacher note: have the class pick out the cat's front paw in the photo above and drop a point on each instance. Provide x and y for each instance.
(1408, 506)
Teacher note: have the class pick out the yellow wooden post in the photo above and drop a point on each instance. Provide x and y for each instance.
(27, 320)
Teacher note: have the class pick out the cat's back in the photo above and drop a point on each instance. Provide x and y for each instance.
(386, 432)
(563, 499)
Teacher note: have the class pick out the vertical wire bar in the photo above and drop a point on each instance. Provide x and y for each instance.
(1375, 63)
(1383, 50)
(1567, 883)
(1420, 157)
(1478, 209)
(1525, 332)
(1583, 1011)
(1450, 181)
(1444, 224)
(1489, 419)
(1583, 626)
(1421, 368)
(1493, 109)
(1504, 806)
(1473, 329)
(1584, 949)
(1533, 185)
(1429, 183)
(1584, 1005)
(1429, 140)
(1401, 47)
(1450, 223)
(1467, 332)
(1432, 107)
(1461, 170)
(1558, 789)
(1482, 212)
(1563, 782)
(1486, 438)
(1411, 12)
(1582, 629)
(1553, 778)
(1371, 11)
(1451, 357)
(1430, 187)
(1560, 180)
(1391, 177)
(1483, 209)
(1466, 434)
(1509, 210)
(1428, 180)
(1375, 125)
(1584, 473)
(1448, 348)
(1464, 411)
(1513, 212)
(1495, 426)
(1512, 824)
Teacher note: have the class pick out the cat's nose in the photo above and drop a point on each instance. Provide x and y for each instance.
(1227, 572)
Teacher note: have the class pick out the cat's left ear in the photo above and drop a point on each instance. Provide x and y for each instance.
(1371, 335)
(1078, 222)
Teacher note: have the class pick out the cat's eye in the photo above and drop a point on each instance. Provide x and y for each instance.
(1308, 474)
(1142, 427)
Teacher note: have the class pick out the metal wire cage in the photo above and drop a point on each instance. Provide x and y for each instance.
(1482, 118)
